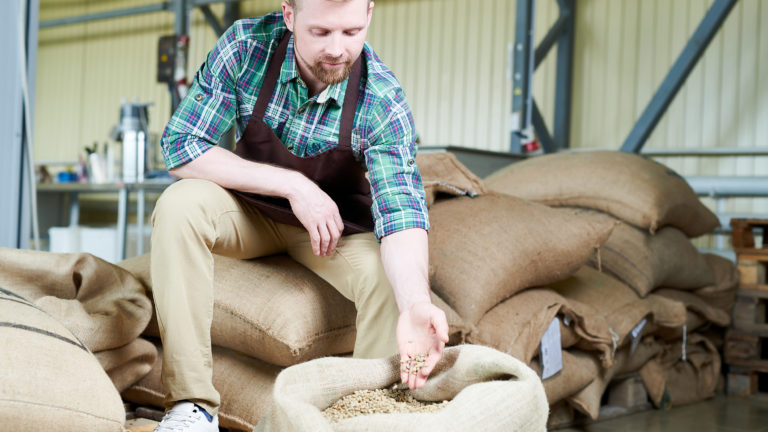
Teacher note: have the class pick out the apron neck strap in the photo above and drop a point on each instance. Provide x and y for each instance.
(350, 103)
(270, 79)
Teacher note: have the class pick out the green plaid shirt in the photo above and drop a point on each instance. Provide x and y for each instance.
(225, 89)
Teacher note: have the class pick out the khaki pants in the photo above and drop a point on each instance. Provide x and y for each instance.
(194, 219)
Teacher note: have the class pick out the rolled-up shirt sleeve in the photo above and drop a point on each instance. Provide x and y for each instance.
(209, 108)
(396, 187)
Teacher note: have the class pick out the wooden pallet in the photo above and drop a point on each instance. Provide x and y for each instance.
(746, 342)
(743, 381)
(752, 272)
(743, 238)
(749, 312)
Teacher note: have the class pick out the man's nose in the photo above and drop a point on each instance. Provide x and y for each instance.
(335, 47)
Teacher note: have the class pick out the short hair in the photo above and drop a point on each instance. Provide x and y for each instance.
(295, 3)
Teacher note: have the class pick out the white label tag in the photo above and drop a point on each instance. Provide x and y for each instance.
(685, 339)
(635, 335)
(551, 350)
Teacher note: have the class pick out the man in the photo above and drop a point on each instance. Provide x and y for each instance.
(314, 107)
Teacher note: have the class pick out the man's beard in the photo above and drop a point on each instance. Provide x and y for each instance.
(330, 76)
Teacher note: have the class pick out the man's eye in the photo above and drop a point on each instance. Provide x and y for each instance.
(320, 33)
(351, 32)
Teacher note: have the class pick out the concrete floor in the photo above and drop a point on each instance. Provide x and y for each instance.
(726, 414)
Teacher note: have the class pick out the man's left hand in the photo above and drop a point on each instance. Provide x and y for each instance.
(422, 330)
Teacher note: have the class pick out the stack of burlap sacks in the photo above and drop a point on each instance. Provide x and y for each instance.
(504, 262)
(69, 327)
(646, 268)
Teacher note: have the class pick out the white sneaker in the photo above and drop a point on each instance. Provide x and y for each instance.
(187, 417)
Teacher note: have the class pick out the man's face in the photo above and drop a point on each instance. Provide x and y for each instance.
(328, 36)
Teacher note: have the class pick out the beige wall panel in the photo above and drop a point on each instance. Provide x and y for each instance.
(59, 84)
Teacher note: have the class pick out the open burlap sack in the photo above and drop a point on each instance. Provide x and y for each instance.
(485, 249)
(487, 389)
(672, 381)
(128, 364)
(100, 303)
(516, 325)
(640, 191)
(49, 381)
(646, 261)
(619, 305)
(244, 383)
(277, 310)
(721, 294)
(442, 173)
(587, 400)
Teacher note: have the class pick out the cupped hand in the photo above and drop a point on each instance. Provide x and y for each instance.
(422, 332)
(319, 214)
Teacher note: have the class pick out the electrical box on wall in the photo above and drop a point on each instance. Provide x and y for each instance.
(166, 57)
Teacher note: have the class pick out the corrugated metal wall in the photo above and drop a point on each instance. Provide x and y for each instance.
(452, 59)
(625, 48)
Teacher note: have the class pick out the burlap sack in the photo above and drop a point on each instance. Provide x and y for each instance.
(645, 262)
(49, 381)
(587, 400)
(579, 369)
(699, 313)
(516, 325)
(620, 306)
(276, 310)
(560, 415)
(488, 390)
(244, 383)
(442, 173)
(721, 294)
(485, 249)
(127, 365)
(634, 189)
(672, 381)
(101, 304)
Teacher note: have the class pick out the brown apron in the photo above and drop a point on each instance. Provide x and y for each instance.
(335, 171)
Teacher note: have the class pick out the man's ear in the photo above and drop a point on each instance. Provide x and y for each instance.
(288, 15)
(370, 12)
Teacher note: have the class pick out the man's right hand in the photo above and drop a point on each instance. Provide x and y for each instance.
(319, 215)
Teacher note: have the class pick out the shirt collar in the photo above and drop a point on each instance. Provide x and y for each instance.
(289, 71)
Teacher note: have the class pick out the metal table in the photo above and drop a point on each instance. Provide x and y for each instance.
(123, 190)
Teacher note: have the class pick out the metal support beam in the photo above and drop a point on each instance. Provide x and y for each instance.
(674, 80)
(16, 33)
(550, 39)
(562, 33)
(522, 74)
(181, 12)
(547, 143)
(119, 13)
(212, 21)
(231, 13)
(564, 78)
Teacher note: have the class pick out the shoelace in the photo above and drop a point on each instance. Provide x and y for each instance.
(176, 421)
